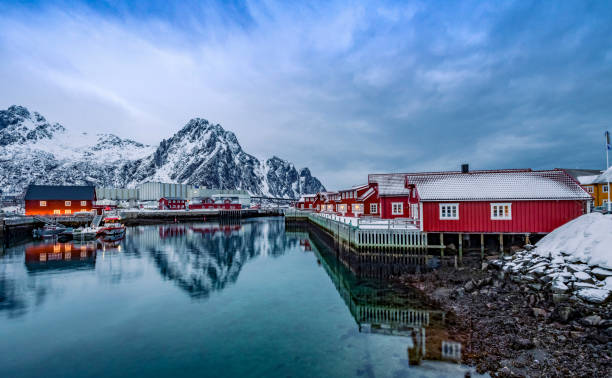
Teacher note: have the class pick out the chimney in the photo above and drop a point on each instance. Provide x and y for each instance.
(465, 168)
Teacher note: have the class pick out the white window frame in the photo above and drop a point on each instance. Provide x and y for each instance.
(589, 189)
(399, 210)
(604, 188)
(495, 214)
(358, 208)
(446, 211)
(67, 203)
(43, 203)
(57, 212)
(373, 208)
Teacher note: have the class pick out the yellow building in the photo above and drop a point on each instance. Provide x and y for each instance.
(597, 186)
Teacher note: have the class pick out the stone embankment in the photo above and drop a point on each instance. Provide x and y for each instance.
(564, 276)
(526, 315)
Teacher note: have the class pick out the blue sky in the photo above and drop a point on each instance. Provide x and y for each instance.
(345, 88)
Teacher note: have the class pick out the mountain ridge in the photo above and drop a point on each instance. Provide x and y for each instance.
(200, 153)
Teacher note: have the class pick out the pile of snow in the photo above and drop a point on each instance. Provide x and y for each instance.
(587, 239)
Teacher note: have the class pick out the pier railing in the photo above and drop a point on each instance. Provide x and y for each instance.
(370, 235)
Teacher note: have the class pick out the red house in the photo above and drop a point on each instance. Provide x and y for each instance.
(202, 203)
(172, 203)
(59, 199)
(503, 201)
(306, 202)
(353, 201)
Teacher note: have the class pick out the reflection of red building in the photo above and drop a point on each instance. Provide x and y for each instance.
(306, 244)
(172, 203)
(59, 255)
(171, 232)
(59, 199)
(211, 230)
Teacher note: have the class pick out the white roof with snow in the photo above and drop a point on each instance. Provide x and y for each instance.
(485, 185)
(587, 180)
(604, 177)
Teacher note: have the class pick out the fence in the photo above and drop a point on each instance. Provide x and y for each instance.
(359, 235)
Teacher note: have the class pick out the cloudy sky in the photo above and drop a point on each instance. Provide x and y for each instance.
(345, 88)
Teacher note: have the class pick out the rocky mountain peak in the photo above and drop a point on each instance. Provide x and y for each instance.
(18, 125)
(200, 153)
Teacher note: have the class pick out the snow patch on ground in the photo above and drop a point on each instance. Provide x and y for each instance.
(587, 239)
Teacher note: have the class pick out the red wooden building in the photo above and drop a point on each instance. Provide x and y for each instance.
(172, 203)
(504, 201)
(211, 203)
(306, 202)
(59, 199)
(358, 201)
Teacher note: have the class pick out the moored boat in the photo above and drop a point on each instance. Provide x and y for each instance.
(112, 227)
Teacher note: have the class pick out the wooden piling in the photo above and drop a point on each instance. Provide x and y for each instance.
(460, 246)
(501, 243)
(482, 246)
(442, 244)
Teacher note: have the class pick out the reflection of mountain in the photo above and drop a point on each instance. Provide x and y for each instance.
(378, 308)
(207, 257)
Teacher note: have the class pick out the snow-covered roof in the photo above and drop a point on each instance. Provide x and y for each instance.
(604, 177)
(366, 195)
(390, 183)
(498, 185)
(483, 185)
(587, 180)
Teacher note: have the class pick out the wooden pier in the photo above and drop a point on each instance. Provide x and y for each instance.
(370, 239)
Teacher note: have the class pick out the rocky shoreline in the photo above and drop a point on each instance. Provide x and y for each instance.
(514, 321)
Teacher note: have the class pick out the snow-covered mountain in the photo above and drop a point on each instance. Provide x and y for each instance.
(33, 150)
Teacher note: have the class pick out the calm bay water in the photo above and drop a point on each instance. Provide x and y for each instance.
(205, 299)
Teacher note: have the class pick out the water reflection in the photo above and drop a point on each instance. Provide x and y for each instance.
(60, 256)
(379, 308)
(207, 257)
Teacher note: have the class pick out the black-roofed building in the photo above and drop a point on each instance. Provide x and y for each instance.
(59, 199)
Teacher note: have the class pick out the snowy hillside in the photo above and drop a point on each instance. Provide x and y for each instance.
(36, 151)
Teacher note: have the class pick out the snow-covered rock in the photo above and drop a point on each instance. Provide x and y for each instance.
(592, 295)
(586, 239)
(201, 153)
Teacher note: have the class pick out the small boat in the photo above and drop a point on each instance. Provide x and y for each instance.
(65, 235)
(85, 233)
(48, 231)
(112, 227)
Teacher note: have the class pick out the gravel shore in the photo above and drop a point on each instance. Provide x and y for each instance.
(508, 328)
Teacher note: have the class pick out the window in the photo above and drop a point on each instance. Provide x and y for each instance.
(397, 208)
(501, 211)
(43, 203)
(358, 208)
(83, 203)
(605, 189)
(342, 208)
(373, 208)
(68, 211)
(310, 206)
(449, 211)
(57, 212)
(67, 203)
(589, 189)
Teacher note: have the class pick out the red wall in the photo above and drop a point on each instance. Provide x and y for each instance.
(171, 204)
(385, 207)
(32, 207)
(527, 217)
